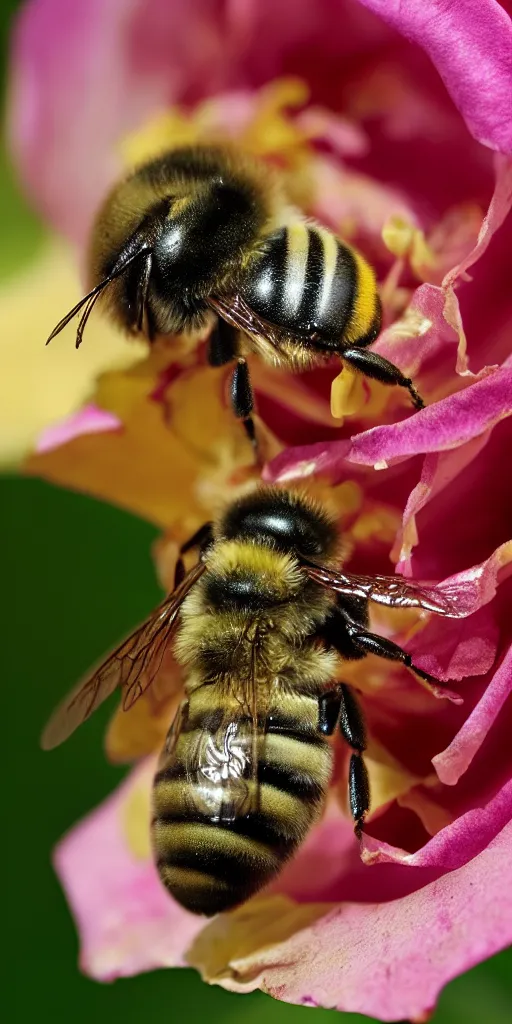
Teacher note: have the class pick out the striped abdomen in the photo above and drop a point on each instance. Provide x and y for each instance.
(308, 282)
(218, 837)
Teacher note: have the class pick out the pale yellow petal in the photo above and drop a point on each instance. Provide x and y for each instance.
(40, 384)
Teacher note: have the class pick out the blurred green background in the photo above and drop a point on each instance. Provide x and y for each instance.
(76, 575)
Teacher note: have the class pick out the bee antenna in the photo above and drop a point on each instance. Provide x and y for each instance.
(89, 300)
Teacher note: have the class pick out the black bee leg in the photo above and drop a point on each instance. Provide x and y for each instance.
(329, 707)
(372, 643)
(242, 400)
(202, 539)
(223, 348)
(222, 344)
(339, 707)
(378, 368)
(353, 730)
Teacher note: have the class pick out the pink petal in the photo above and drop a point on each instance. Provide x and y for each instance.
(500, 206)
(453, 846)
(471, 47)
(410, 350)
(475, 587)
(439, 470)
(456, 650)
(86, 73)
(89, 420)
(443, 425)
(390, 960)
(126, 920)
(454, 761)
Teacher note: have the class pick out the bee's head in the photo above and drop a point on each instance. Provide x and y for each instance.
(283, 520)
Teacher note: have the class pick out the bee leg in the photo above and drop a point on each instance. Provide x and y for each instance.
(242, 400)
(378, 368)
(202, 539)
(339, 707)
(223, 348)
(222, 344)
(353, 730)
(372, 643)
(329, 707)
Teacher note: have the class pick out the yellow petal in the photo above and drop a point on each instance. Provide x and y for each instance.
(222, 947)
(40, 384)
(175, 457)
(348, 393)
(135, 814)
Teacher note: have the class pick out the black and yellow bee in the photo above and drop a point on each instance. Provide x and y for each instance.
(205, 230)
(261, 623)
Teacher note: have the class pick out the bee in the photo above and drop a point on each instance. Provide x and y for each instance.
(206, 230)
(260, 623)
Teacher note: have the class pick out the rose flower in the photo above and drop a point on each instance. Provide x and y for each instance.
(391, 124)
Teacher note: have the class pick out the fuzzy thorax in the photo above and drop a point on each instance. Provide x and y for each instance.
(249, 593)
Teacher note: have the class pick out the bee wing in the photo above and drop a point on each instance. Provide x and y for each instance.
(237, 313)
(133, 666)
(220, 759)
(394, 591)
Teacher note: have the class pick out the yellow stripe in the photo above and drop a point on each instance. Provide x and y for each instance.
(365, 302)
(174, 838)
(295, 755)
(176, 878)
(330, 247)
(292, 813)
(297, 245)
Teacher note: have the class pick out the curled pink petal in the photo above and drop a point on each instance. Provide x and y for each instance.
(453, 762)
(443, 425)
(126, 920)
(439, 470)
(428, 335)
(500, 206)
(88, 420)
(376, 958)
(471, 47)
(454, 845)
(475, 587)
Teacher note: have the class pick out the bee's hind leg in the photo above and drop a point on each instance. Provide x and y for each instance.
(375, 366)
(340, 707)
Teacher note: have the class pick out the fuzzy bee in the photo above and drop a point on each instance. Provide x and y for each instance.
(260, 624)
(206, 230)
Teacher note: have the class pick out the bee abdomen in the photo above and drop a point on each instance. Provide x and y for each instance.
(308, 282)
(211, 865)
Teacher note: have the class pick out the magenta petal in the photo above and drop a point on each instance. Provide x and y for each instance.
(454, 845)
(391, 960)
(89, 420)
(443, 425)
(471, 46)
(454, 761)
(126, 920)
(499, 209)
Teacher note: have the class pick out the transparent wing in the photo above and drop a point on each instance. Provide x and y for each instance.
(217, 753)
(133, 666)
(394, 591)
(237, 313)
